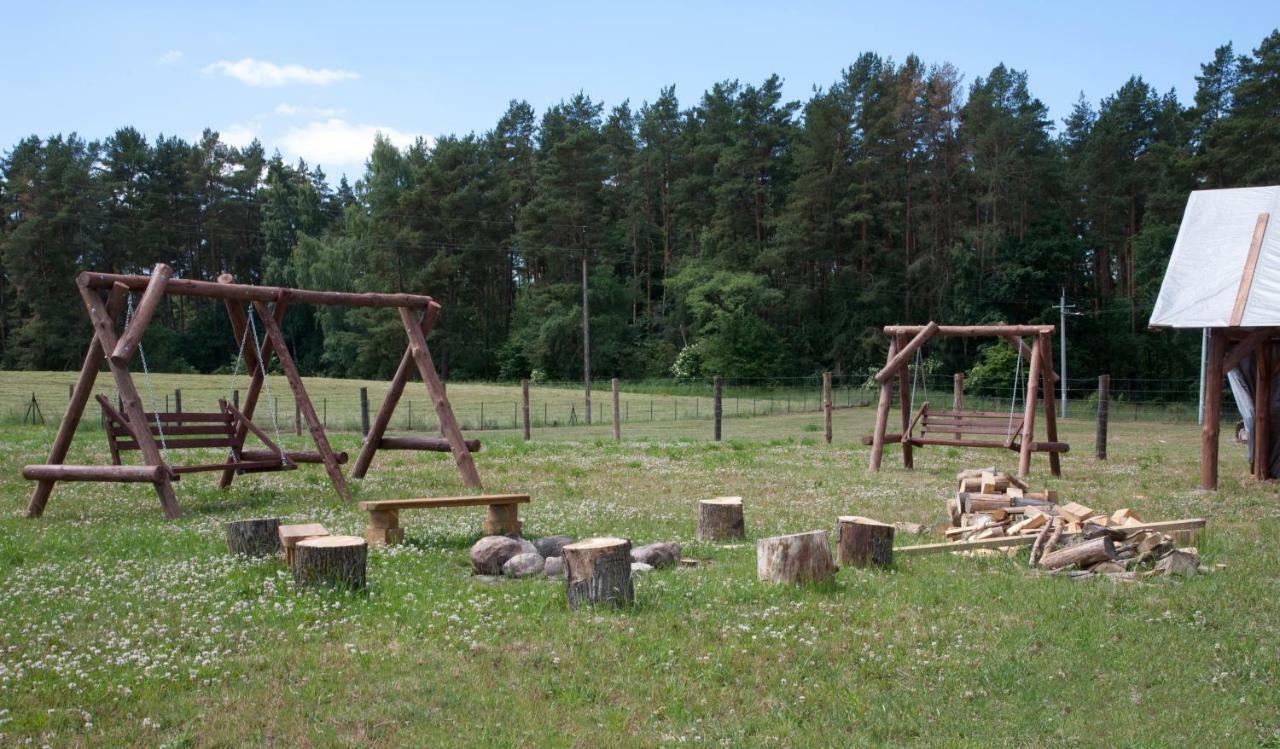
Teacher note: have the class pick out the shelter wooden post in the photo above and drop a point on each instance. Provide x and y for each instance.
(882, 412)
(80, 394)
(129, 397)
(904, 402)
(1262, 412)
(444, 412)
(1048, 377)
(1212, 410)
(1029, 412)
(394, 391)
(321, 440)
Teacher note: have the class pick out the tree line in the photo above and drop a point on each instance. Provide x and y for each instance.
(742, 234)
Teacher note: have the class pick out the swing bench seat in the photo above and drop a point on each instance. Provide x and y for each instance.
(965, 428)
(194, 429)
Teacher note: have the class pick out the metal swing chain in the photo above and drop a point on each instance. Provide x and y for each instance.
(1013, 399)
(146, 376)
(266, 387)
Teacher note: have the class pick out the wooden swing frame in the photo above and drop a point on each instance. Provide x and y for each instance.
(906, 340)
(417, 314)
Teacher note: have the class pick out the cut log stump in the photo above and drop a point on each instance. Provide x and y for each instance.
(291, 535)
(797, 558)
(863, 542)
(332, 561)
(720, 519)
(598, 572)
(1084, 554)
(258, 537)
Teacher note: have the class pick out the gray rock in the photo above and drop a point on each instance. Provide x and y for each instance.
(639, 568)
(551, 546)
(523, 565)
(491, 552)
(553, 567)
(528, 547)
(657, 555)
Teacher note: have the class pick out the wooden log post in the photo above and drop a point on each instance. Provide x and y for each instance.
(957, 396)
(364, 411)
(1104, 408)
(617, 411)
(1047, 378)
(1262, 413)
(1212, 410)
(314, 426)
(331, 561)
(435, 389)
(1084, 554)
(598, 573)
(863, 542)
(395, 390)
(721, 519)
(81, 391)
(717, 406)
(882, 413)
(826, 407)
(297, 418)
(177, 400)
(524, 410)
(905, 404)
(257, 537)
(1029, 412)
(796, 558)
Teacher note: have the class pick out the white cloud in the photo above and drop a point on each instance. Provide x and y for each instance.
(262, 73)
(238, 135)
(171, 57)
(336, 142)
(293, 110)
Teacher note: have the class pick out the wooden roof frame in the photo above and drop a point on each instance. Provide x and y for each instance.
(906, 340)
(417, 313)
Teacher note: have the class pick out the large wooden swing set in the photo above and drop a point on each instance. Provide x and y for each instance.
(958, 427)
(154, 434)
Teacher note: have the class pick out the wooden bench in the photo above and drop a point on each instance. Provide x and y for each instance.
(988, 429)
(384, 514)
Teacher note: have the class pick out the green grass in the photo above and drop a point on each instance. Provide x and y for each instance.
(120, 629)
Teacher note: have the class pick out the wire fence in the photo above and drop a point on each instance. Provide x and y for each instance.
(41, 398)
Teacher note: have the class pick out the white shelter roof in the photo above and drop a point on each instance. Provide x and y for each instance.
(1209, 258)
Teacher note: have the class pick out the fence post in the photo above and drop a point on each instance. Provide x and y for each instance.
(717, 392)
(482, 414)
(177, 400)
(617, 412)
(1104, 396)
(297, 416)
(524, 397)
(325, 405)
(957, 395)
(409, 427)
(826, 407)
(364, 410)
(235, 398)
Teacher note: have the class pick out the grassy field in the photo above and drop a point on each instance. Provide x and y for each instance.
(120, 629)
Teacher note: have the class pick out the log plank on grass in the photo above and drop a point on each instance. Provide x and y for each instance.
(796, 558)
(1027, 539)
(598, 573)
(720, 519)
(1086, 553)
(332, 561)
(863, 542)
(373, 440)
(256, 537)
(435, 389)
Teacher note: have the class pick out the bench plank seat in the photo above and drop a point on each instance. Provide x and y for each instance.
(384, 514)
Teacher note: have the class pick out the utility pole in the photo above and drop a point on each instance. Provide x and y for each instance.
(586, 336)
(1063, 310)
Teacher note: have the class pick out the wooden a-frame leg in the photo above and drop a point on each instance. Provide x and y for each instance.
(383, 418)
(239, 322)
(882, 413)
(444, 412)
(1029, 410)
(75, 409)
(132, 402)
(304, 402)
(1050, 413)
(904, 401)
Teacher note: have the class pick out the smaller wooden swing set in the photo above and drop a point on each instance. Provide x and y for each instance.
(155, 434)
(958, 427)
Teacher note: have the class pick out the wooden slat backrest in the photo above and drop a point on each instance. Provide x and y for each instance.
(428, 502)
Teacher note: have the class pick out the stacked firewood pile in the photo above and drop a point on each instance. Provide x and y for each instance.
(995, 510)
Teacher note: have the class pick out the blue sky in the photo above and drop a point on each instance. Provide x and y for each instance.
(317, 79)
